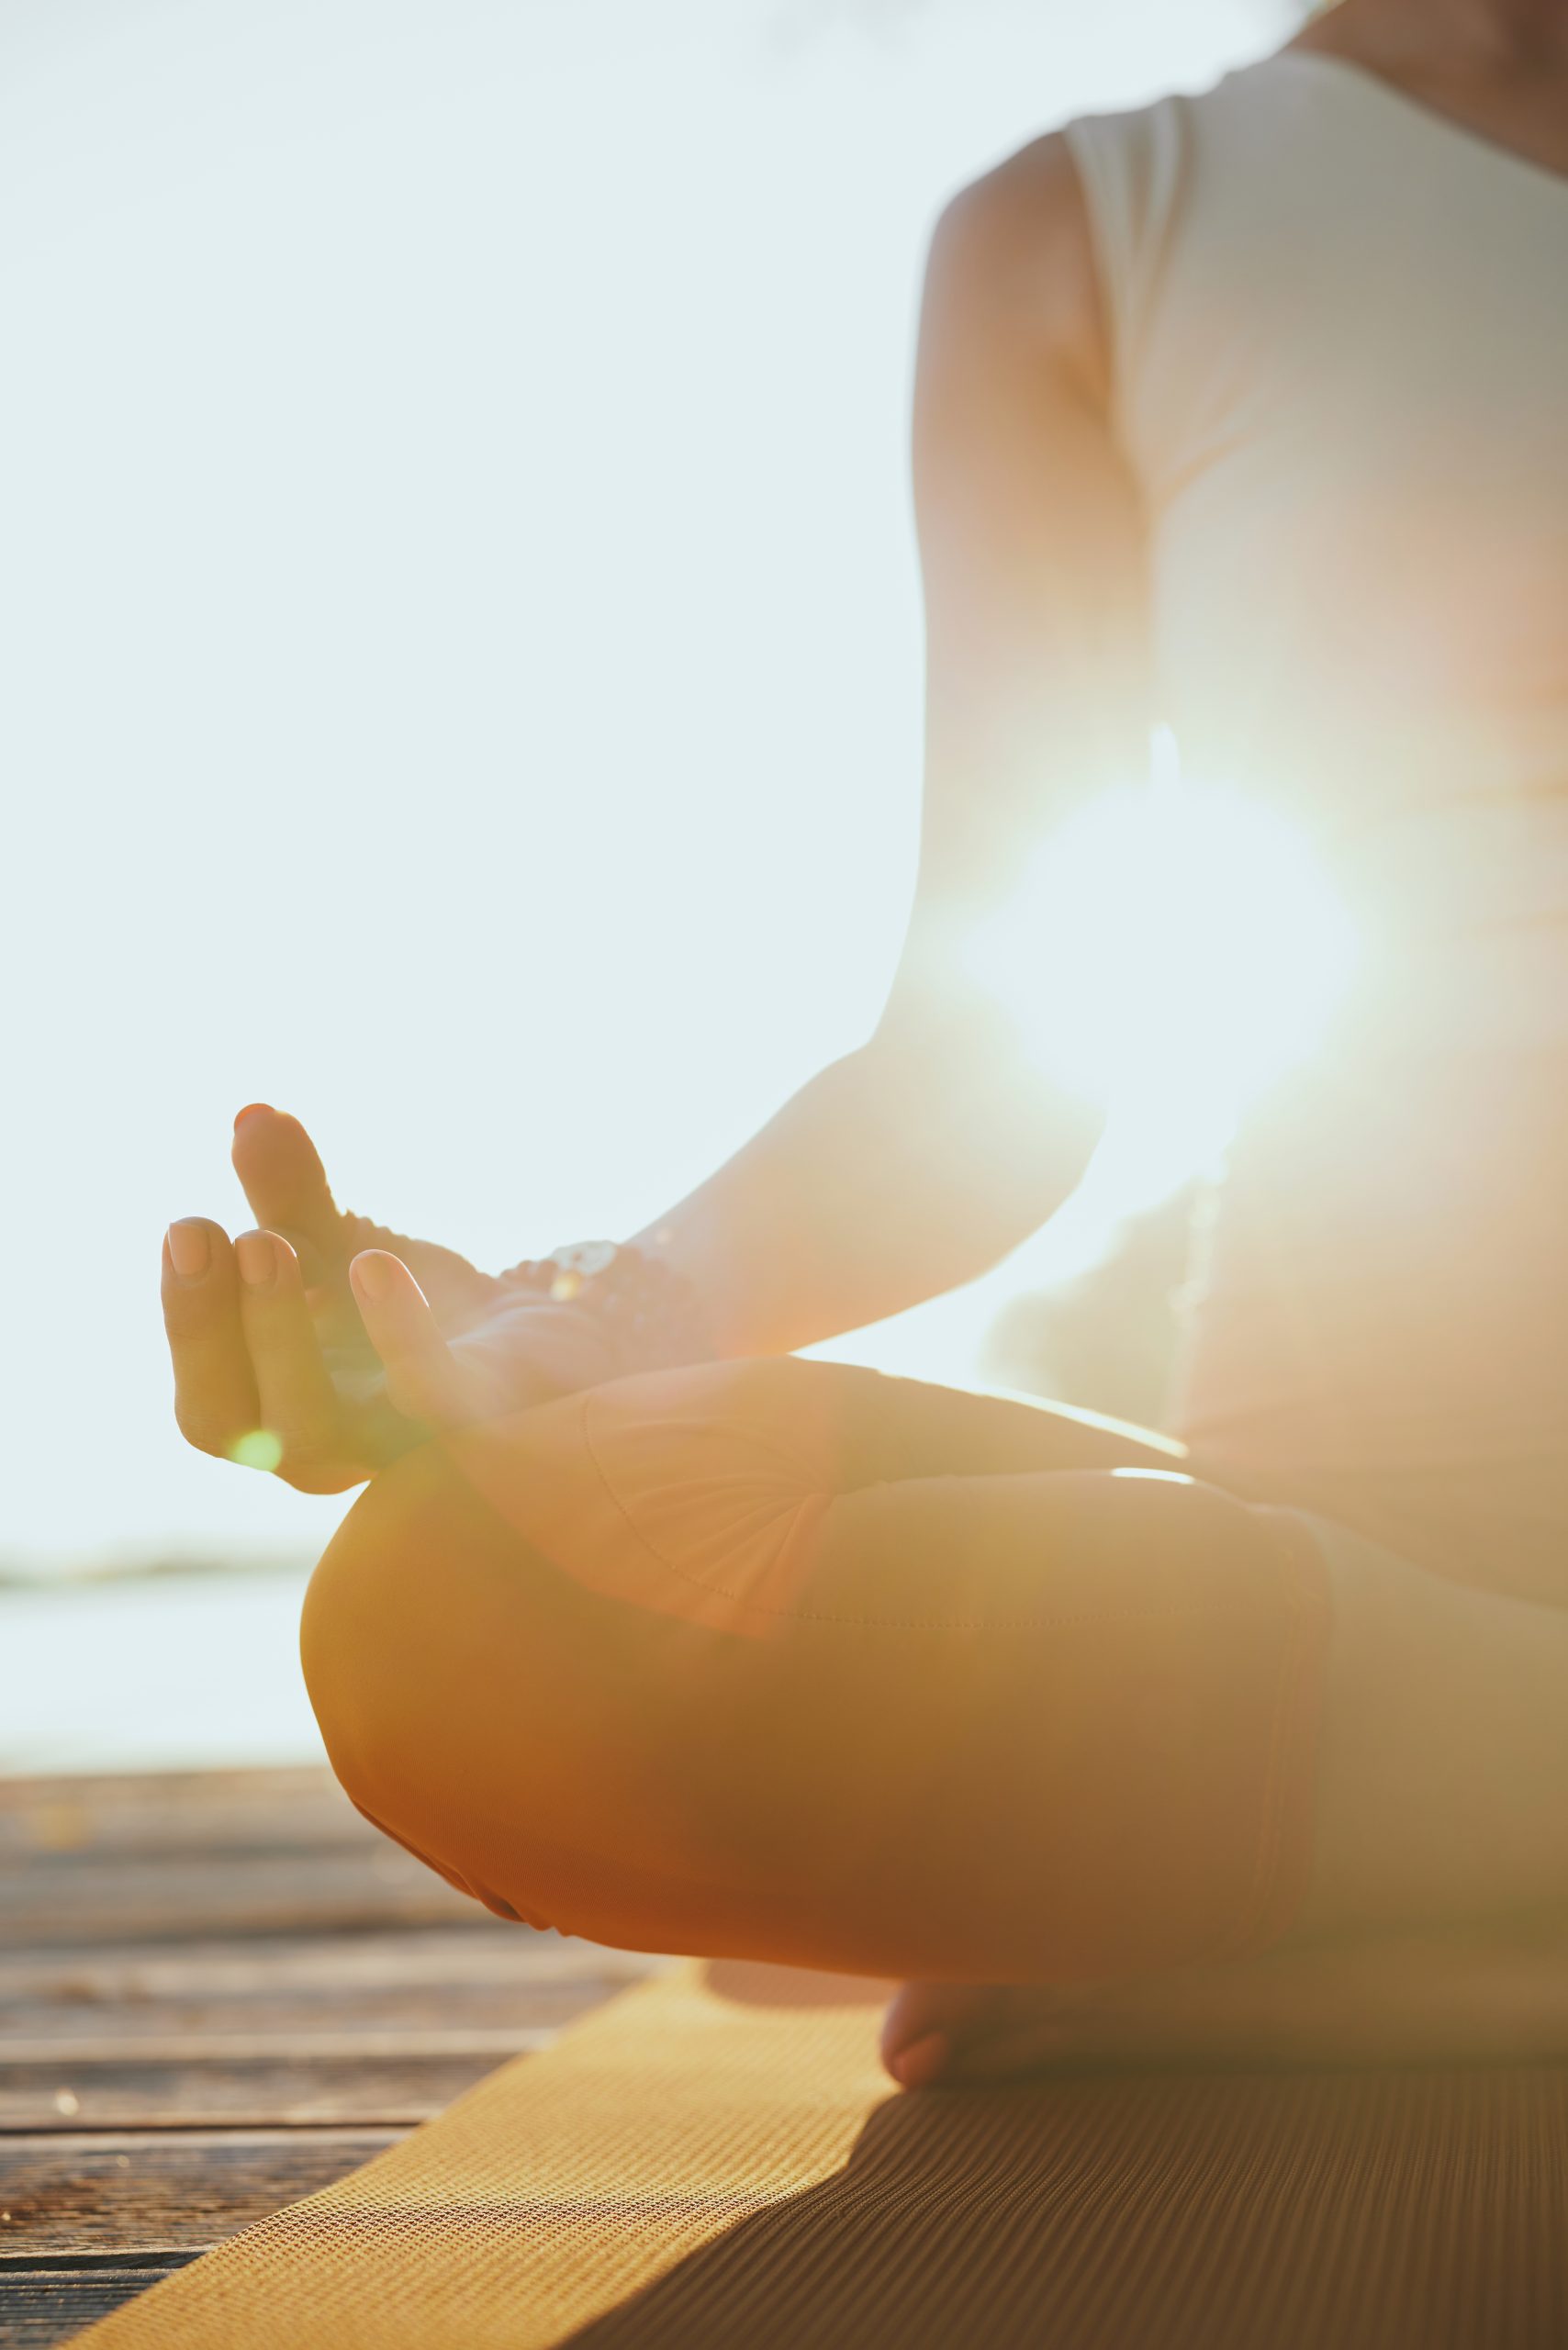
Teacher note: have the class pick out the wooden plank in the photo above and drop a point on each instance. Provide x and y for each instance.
(268, 2092)
(222, 1991)
(178, 1811)
(79, 1898)
(43, 2307)
(516, 2002)
(353, 1973)
(195, 1790)
(292, 2047)
(73, 2195)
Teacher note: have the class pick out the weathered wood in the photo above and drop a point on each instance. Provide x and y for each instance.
(267, 2093)
(496, 1976)
(178, 1811)
(151, 1791)
(41, 2307)
(55, 2057)
(79, 1898)
(70, 2195)
(352, 1964)
(219, 1992)
(519, 2004)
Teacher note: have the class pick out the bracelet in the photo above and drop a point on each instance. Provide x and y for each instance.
(649, 1311)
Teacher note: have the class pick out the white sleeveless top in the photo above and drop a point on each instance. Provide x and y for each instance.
(1339, 339)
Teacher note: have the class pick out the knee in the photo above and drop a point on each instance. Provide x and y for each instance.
(382, 1644)
(527, 1734)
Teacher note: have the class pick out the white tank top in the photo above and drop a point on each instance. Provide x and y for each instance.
(1339, 326)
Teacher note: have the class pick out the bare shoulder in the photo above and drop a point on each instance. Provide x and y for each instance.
(1011, 259)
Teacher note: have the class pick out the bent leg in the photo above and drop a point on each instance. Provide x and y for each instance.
(787, 1660)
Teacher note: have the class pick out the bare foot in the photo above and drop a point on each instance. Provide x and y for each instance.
(1412, 1998)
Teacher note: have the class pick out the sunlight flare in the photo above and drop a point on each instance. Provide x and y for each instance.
(1170, 951)
(259, 1448)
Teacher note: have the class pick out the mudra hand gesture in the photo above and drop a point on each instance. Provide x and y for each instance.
(323, 1346)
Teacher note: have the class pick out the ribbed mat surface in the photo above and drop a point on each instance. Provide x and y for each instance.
(714, 2160)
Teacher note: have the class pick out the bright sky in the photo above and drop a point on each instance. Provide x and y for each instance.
(460, 621)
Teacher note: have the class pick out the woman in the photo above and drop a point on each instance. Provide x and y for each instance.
(1243, 413)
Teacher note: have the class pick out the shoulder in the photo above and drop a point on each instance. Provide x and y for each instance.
(1028, 209)
(1012, 258)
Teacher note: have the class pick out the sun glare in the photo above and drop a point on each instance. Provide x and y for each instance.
(1171, 950)
(260, 1448)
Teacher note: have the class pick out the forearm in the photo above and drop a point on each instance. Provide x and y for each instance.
(903, 1170)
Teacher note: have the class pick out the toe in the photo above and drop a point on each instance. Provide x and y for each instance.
(967, 2031)
(921, 2064)
(924, 2021)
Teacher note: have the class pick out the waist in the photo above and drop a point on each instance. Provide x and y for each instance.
(1385, 1260)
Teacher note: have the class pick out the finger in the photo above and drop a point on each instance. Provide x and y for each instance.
(215, 1391)
(424, 1378)
(298, 1406)
(281, 1173)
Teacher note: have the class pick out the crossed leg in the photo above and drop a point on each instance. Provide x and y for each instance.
(787, 1660)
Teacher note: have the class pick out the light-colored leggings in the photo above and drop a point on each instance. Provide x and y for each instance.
(787, 1660)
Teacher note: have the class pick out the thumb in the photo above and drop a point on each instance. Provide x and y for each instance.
(281, 1172)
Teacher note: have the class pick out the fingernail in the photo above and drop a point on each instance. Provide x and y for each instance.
(368, 1274)
(190, 1252)
(246, 1112)
(258, 1260)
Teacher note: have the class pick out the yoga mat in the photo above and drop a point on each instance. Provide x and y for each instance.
(715, 2160)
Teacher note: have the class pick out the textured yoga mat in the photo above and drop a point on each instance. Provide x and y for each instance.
(715, 2160)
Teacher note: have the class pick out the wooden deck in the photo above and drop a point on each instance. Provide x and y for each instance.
(219, 1992)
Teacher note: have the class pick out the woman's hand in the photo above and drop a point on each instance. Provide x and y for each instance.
(322, 1345)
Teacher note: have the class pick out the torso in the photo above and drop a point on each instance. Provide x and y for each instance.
(1524, 112)
(1339, 357)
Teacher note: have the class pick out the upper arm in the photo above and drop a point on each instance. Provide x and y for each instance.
(1031, 544)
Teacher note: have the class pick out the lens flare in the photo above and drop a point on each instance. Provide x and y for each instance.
(259, 1448)
(1170, 952)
